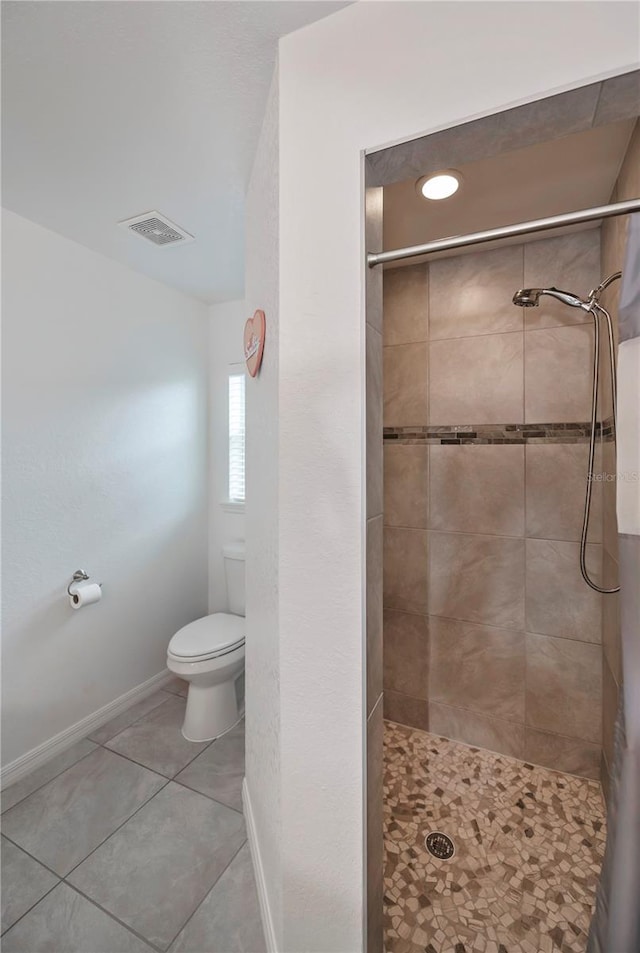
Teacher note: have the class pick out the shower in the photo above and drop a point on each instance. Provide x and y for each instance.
(530, 298)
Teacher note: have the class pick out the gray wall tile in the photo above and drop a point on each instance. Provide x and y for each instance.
(570, 262)
(550, 118)
(628, 184)
(406, 710)
(476, 380)
(609, 503)
(479, 668)
(562, 754)
(564, 687)
(610, 701)
(556, 481)
(471, 294)
(374, 422)
(611, 633)
(406, 653)
(405, 569)
(559, 602)
(406, 304)
(477, 489)
(374, 204)
(619, 98)
(405, 385)
(477, 579)
(557, 374)
(476, 729)
(406, 485)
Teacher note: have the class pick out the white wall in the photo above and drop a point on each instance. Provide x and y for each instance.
(105, 462)
(371, 74)
(226, 524)
(262, 488)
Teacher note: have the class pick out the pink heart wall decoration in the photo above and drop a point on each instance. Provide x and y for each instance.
(254, 335)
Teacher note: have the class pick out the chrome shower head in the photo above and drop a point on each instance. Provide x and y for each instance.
(527, 297)
(530, 298)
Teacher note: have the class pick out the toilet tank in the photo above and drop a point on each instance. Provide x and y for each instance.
(234, 573)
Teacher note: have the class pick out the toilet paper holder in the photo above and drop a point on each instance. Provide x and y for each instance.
(79, 576)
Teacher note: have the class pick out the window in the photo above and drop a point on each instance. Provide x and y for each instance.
(236, 438)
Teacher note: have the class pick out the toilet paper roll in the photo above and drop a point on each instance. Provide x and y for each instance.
(84, 594)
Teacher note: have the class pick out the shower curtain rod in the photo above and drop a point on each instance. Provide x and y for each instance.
(505, 231)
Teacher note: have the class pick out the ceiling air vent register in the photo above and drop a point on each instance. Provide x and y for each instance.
(157, 228)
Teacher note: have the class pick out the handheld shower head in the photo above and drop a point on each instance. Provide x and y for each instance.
(527, 297)
(530, 298)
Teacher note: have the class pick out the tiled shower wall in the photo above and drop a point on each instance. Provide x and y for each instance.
(490, 634)
(613, 241)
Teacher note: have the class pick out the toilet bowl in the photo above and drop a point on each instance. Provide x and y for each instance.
(209, 655)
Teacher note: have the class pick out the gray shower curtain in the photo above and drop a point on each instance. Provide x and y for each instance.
(616, 924)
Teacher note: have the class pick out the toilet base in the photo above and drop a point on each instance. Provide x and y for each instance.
(211, 710)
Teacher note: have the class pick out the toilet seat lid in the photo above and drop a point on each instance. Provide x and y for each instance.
(211, 635)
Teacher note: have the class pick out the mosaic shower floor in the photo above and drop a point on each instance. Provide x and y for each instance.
(528, 842)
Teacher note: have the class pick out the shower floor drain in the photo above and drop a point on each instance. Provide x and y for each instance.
(439, 845)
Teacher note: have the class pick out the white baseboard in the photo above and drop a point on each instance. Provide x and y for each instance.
(28, 762)
(261, 885)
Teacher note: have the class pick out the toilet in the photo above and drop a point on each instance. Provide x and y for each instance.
(209, 655)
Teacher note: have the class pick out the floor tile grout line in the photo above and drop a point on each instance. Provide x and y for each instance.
(133, 761)
(32, 856)
(166, 780)
(175, 780)
(137, 763)
(104, 745)
(164, 777)
(33, 905)
(95, 903)
(116, 829)
(140, 764)
(98, 744)
(135, 720)
(208, 796)
(213, 886)
(112, 916)
(64, 878)
(72, 765)
(147, 714)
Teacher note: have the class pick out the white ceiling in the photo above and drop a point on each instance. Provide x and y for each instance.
(113, 109)
(575, 172)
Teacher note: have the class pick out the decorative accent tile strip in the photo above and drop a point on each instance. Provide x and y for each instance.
(500, 433)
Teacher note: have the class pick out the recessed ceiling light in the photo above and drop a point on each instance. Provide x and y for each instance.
(440, 185)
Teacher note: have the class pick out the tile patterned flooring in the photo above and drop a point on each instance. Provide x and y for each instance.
(529, 844)
(103, 848)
